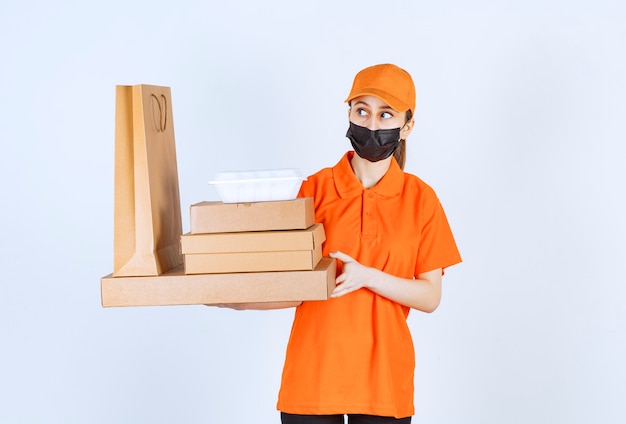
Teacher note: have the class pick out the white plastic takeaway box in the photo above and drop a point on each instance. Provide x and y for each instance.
(257, 186)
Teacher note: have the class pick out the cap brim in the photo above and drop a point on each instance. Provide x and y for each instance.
(392, 101)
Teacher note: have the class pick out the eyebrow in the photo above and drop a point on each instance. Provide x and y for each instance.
(386, 107)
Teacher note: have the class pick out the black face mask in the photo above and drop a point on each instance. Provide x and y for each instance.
(373, 145)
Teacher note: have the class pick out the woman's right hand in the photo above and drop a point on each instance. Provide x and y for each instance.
(257, 306)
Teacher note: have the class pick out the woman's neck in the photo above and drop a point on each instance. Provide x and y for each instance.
(369, 173)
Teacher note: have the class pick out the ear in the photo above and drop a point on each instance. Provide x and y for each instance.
(406, 129)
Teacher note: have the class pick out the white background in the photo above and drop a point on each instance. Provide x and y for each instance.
(520, 128)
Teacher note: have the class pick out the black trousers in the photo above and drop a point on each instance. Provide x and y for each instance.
(338, 419)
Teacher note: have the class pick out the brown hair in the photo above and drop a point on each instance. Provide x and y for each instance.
(400, 152)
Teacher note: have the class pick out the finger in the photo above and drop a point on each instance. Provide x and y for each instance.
(341, 256)
(340, 278)
(338, 292)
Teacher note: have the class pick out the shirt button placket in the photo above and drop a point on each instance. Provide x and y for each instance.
(369, 214)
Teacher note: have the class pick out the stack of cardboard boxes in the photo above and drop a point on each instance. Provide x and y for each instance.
(236, 253)
(252, 237)
(267, 251)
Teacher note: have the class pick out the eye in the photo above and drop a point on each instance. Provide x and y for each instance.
(386, 115)
(361, 112)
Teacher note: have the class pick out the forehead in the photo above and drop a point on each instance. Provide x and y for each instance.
(371, 102)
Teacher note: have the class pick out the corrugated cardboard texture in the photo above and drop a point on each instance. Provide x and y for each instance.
(218, 217)
(291, 260)
(175, 288)
(254, 241)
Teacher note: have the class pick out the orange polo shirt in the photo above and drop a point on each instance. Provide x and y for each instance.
(355, 354)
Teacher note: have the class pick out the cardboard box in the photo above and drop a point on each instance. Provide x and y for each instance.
(176, 288)
(219, 217)
(253, 241)
(289, 260)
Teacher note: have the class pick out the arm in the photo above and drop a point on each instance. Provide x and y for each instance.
(257, 306)
(423, 293)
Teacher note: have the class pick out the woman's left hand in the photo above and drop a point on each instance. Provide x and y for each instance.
(422, 293)
(353, 277)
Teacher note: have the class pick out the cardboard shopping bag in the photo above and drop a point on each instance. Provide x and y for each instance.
(147, 216)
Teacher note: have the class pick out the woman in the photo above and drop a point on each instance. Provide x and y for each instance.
(353, 354)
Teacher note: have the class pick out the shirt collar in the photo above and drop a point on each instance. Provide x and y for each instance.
(348, 185)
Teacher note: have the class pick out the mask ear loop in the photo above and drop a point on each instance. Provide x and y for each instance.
(401, 128)
(410, 116)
